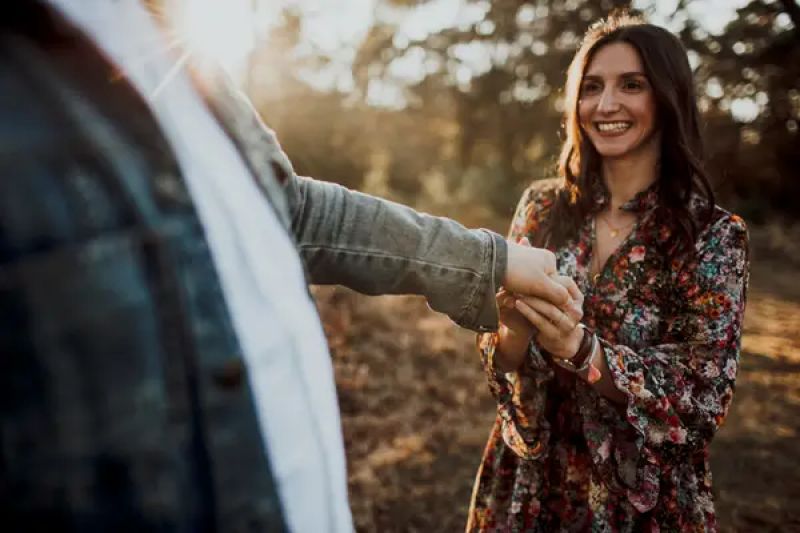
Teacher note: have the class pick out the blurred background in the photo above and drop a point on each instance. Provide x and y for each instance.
(453, 106)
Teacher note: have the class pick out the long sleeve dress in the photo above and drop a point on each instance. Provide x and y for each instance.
(560, 456)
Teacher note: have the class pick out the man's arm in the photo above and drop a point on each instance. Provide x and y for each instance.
(379, 247)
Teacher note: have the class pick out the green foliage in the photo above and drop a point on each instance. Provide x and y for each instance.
(507, 116)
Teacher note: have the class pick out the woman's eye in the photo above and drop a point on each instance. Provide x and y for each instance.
(632, 85)
(590, 88)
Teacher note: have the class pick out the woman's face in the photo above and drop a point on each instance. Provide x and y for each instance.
(617, 107)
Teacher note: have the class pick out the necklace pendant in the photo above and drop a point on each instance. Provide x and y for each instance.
(596, 277)
(614, 233)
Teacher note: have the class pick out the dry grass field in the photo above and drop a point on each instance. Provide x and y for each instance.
(416, 410)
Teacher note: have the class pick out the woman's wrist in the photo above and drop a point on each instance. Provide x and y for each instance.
(585, 347)
(582, 358)
(571, 346)
(512, 346)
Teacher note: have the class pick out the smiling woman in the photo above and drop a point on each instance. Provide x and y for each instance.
(605, 425)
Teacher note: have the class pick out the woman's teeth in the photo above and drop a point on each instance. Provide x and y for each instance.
(613, 127)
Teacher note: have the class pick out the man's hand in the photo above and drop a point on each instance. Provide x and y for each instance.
(531, 272)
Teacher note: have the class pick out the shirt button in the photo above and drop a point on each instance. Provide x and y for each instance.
(230, 374)
(170, 186)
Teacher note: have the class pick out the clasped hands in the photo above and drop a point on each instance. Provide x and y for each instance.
(536, 303)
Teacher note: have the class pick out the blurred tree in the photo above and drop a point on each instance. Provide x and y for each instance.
(502, 76)
(480, 111)
(750, 85)
(332, 136)
(322, 134)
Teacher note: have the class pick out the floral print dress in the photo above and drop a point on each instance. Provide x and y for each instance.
(560, 456)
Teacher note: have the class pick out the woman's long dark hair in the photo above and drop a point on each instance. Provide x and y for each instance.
(681, 172)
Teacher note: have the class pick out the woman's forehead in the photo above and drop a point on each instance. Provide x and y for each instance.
(613, 60)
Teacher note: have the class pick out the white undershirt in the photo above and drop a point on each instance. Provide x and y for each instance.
(289, 366)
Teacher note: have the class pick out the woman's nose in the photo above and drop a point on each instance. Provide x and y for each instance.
(608, 101)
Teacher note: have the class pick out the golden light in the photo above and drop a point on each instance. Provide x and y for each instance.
(218, 30)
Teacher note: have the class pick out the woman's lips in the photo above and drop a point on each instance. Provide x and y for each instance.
(612, 128)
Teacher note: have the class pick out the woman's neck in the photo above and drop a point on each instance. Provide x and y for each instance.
(626, 177)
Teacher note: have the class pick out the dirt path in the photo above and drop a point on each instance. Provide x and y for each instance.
(416, 412)
(756, 456)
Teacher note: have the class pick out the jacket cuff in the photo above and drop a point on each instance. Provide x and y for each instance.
(484, 316)
(500, 260)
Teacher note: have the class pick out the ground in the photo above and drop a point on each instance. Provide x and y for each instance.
(416, 410)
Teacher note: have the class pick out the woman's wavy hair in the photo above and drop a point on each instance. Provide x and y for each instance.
(682, 170)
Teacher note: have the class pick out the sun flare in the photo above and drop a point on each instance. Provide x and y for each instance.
(217, 30)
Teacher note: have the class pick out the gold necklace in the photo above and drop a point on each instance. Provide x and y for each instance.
(597, 272)
(616, 231)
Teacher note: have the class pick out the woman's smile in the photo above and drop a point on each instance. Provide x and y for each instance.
(614, 128)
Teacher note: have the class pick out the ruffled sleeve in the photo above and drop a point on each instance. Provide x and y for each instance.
(521, 395)
(678, 392)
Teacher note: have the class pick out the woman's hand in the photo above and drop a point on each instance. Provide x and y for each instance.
(532, 272)
(511, 318)
(523, 317)
(514, 334)
(557, 332)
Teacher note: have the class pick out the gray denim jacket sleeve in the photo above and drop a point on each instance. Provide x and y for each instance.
(365, 243)
(375, 246)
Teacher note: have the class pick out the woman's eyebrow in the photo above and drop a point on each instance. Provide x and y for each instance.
(631, 74)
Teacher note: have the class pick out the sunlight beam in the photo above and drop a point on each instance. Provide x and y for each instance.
(223, 31)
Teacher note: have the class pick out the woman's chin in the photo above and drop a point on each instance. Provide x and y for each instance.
(613, 152)
(624, 146)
